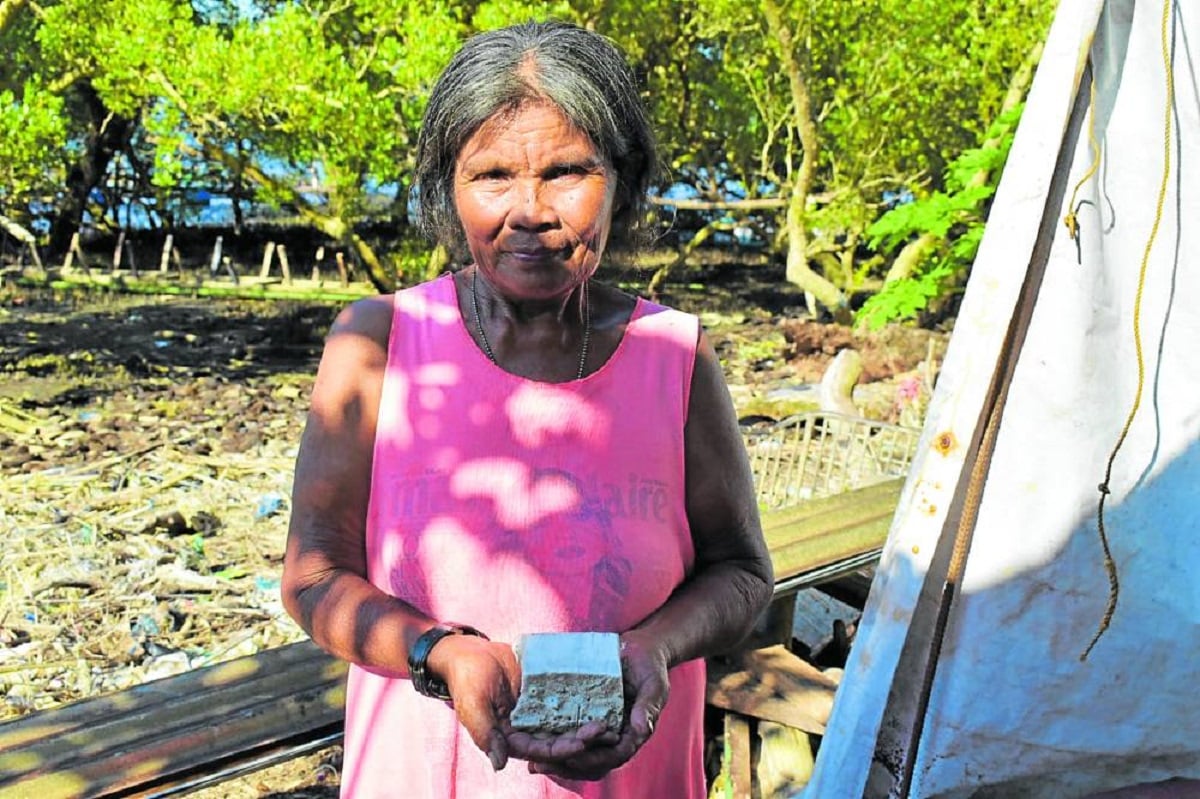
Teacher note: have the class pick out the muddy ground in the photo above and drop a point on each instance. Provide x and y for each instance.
(145, 455)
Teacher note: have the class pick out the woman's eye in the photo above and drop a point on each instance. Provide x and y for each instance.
(489, 176)
(567, 171)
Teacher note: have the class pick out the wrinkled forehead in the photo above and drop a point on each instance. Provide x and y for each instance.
(540, 121)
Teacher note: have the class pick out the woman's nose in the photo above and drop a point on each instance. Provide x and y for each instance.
(531, 206)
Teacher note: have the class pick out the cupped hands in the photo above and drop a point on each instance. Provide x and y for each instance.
(592, 751)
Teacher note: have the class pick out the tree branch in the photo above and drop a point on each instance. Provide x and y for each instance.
(9, 9)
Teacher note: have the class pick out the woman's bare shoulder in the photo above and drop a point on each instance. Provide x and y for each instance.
(370, 317)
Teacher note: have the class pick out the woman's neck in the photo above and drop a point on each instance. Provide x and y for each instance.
(564, 311)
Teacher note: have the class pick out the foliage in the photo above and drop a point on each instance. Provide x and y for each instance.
(261, 99)
(31, 131)
(956, 216)
(894, 88)
(905, 298)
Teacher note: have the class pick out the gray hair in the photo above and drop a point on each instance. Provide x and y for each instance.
(580, 72)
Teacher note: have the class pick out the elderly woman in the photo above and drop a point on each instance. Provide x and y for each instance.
(517, 448)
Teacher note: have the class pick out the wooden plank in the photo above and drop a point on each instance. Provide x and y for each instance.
(168, 728)
(826, 530)
(873, 497)
(737, 763)
(772, 684)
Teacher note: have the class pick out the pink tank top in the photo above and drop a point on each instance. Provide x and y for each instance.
(517, 506)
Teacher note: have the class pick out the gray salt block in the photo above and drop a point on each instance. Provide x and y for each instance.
(568, 680)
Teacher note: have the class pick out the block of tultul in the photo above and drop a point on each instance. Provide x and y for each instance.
(568, 680)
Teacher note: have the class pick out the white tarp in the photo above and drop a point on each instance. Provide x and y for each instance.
(1013, 710)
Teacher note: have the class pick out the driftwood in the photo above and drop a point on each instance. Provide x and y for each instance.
(74, 251)
(284, 266)
(774, 685)
(168, 732)
(17, 231)
(215, 262)
(835, 392)
(268, 256)
(164, 258)
(119, 251)
(23, 235)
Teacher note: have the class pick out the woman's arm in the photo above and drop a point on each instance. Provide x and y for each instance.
(324, 573)
(325, 586)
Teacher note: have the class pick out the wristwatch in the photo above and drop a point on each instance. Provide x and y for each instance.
(425, 683)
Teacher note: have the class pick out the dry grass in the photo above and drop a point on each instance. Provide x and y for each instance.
(138, 565)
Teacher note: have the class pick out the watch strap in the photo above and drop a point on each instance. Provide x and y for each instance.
(418, 658)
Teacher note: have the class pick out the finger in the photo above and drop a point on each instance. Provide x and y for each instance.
(553, 748)
(591, 764)
(641, 721)
(497, 750)
(567, 772)
(597, 732)
(607, 738)
(530, 747)
(476, 712)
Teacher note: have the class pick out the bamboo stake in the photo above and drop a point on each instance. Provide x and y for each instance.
(164, 260)
(268, 256)
(117, 253)
(316, 271)
(341, 265)
(132, 261)
(215, 263)
(283, 264)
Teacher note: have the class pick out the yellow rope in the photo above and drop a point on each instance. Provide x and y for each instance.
(1109, 564)
(1071, 220)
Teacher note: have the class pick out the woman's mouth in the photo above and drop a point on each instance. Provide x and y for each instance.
(533, 254)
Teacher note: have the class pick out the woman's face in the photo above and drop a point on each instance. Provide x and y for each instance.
(535, 199)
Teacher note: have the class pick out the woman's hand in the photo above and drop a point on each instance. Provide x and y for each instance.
(483, 679)
(592, 751)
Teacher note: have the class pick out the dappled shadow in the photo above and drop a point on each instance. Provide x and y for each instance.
(87, 342)
(103, 377)
(515, 506)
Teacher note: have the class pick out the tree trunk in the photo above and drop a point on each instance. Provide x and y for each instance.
(376, 272)
(17, 231)
(107, 135)
(915, 251)
(798, 270)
